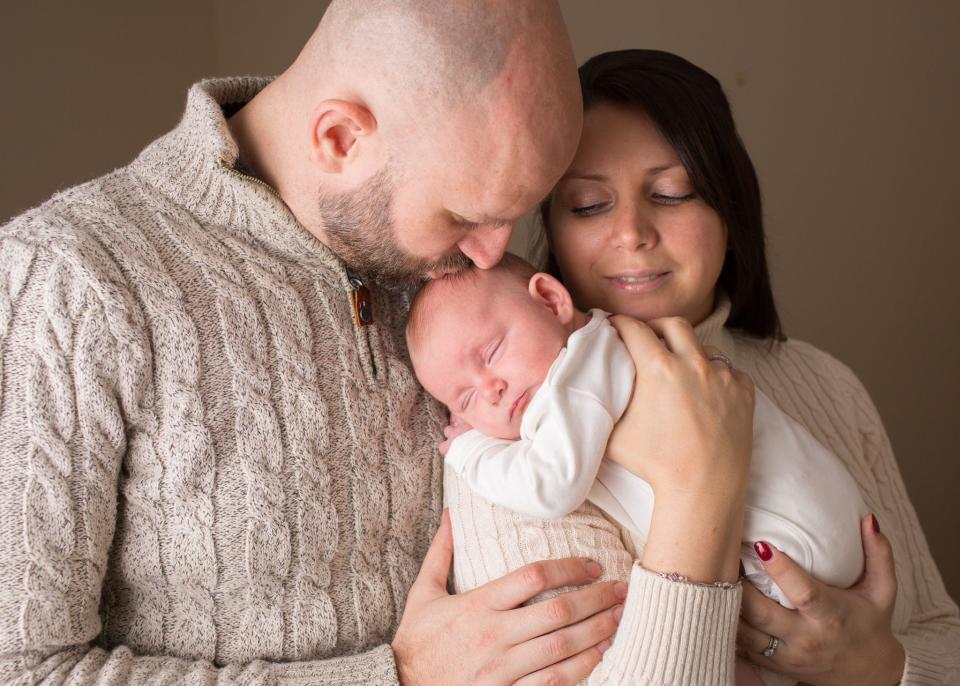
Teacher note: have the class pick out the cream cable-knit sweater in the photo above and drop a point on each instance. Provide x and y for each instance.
(208, 473)
(679, 634)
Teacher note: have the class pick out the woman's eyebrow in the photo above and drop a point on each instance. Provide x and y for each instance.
(595, 176)
(664, 167)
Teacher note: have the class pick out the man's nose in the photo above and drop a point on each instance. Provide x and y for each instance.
(486, 244)
(493, 390)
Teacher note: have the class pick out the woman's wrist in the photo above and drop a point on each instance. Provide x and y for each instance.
(696, 535)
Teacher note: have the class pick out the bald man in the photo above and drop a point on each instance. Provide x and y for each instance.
(215, 463)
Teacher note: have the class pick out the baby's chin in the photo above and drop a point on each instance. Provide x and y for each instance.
(508, 433)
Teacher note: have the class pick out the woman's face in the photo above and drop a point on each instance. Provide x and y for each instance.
(629, 234)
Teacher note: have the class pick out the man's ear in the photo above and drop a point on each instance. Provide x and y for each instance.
(337, 128)
(546, 290)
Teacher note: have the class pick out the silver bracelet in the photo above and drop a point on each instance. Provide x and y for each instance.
(680, 578)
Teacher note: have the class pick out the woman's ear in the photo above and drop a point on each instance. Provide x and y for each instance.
(546, 290)
(336, 128)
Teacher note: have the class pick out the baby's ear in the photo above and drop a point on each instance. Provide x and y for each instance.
(548, 291)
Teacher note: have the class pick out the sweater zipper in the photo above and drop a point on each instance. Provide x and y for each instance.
(362, 303)
(246, 177)
(363, 316)
(359, 296)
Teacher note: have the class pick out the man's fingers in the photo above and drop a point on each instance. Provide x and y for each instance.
(805, 592)
(522, 584)
(879, 581)
(554, 648)
(763, 614)
(432, 580)
(565, 609)
(573, 670)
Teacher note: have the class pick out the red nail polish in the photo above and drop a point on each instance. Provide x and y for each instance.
(763, 550)
(876, 524)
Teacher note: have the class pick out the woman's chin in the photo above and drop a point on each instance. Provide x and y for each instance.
(641, 308)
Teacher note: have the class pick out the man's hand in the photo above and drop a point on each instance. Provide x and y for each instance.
(486, 636)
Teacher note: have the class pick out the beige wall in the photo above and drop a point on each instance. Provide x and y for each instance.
(849, 110)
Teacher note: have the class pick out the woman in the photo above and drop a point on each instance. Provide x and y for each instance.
(660, 216)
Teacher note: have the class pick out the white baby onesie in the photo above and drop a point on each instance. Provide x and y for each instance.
(800, 496)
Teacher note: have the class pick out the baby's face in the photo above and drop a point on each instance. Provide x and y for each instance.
(484, 351)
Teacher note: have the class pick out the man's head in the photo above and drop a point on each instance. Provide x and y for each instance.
(482, 341)
(424, 129)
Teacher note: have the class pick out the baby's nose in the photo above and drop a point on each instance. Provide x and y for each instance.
(494, 390)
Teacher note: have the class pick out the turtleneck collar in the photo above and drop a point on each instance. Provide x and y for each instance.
(195, 166)
(712, 330)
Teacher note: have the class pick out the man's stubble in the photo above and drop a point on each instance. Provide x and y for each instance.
(360, 230)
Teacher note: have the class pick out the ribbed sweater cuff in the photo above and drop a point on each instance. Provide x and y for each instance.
(376, 666)
(673, 633)
(924, 664)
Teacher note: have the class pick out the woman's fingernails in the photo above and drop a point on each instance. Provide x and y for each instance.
(876, 524)
(618, 612)
(593, 569)
(620, 590)
(763, 550)
(603, 646)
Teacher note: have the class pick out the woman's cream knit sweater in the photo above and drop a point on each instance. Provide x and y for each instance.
(675, 633)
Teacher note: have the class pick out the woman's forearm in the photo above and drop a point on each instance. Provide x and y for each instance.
(696, 535)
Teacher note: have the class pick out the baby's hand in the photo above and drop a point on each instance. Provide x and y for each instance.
(456, 427)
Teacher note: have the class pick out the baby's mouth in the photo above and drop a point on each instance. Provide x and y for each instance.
(516, 405)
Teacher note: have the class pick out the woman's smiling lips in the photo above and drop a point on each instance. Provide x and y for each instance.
(639, 281)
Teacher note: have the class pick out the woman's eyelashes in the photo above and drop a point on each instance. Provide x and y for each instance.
(589, 209)
(667, 199)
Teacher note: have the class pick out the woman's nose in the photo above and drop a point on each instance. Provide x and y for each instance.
(493, 390)
(634, 230)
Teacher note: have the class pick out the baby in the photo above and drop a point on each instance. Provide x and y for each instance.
(542, 384)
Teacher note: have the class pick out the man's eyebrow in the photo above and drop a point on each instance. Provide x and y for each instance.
(484, 220)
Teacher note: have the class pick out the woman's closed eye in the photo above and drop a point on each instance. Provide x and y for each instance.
(590, 209)
(667, 199)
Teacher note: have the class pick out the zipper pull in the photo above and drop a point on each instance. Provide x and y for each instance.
(362, 303)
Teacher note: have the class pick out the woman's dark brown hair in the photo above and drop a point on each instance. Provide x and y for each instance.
(690, 110)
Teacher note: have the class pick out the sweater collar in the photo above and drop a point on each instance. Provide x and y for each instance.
(713, 330)
(194, 165)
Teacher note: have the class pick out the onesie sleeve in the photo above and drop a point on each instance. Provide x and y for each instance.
(548, 474)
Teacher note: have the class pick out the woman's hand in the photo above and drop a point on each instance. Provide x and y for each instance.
(689, 424)
(834, 636)
(688, 432)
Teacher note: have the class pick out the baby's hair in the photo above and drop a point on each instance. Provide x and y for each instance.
(511, 270)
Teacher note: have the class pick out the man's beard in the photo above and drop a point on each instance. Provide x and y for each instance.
(359, 228)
